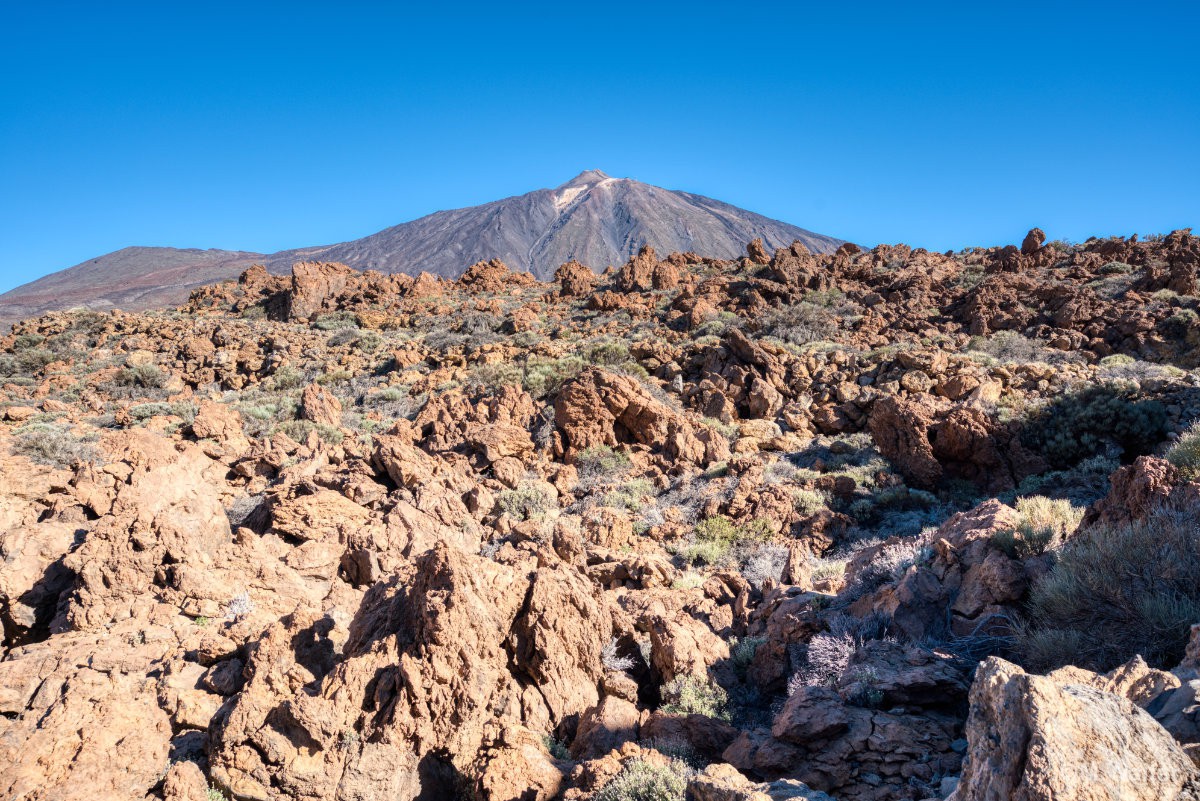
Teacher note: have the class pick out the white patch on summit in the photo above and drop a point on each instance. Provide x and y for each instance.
(566, 196)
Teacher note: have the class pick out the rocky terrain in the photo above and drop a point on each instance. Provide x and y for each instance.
(594, 218)
(864, 525)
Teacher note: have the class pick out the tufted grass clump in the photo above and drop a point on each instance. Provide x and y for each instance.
(1118, 591)
(1042, 524)
(1185, 453)
(643, 780)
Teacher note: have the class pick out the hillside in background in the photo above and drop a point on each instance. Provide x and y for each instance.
(592, 218)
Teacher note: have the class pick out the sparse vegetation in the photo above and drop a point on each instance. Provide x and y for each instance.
(614, 661)
(1087, 422)
(1118, 591)
(643, 780)
(695, 695)
(527, 502)
(801, 324)
(52, 445)
(1043, 523)
(1185, 453)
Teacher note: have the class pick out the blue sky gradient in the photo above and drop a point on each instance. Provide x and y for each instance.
(261, 126)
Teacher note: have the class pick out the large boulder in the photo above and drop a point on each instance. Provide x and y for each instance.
(1033, 738)
(161, 533)
(575, 279)
(314, 286)
(598, 408)
(930, 440)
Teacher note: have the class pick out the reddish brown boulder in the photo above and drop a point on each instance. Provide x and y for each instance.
(644, 272)
(1135, 489)
(929, 441)
(493, 276)
(575, 280)
(602, 409)
(1033, 241)
(223, 425)
(314, 287)
(757, 253)
(320, 406)
(1030, 737)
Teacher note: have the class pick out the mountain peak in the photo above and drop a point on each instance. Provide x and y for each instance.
(585, 178)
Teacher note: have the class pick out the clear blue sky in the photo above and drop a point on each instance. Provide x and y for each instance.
(261, 126)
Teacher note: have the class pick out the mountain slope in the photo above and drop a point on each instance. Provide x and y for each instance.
(132, 278)
(593, 218)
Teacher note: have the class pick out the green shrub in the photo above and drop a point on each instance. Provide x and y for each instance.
(1082, 484)
(342, 336)
(716, 539)
(1185, 453)
(334, 377)
(285, 378)
(1118, 591)
(527, 502)
(602, 462)
(809, 502)
(556, 748)
(544, 376)
(34, 359)
(694, 695)
(643, 780)
(610, 353)
(705, 552)
(491, 377)
(630, 495)
(718, 528)
(142, 376)
(300, 429)
(335, 321)
(1085, 423)
(51, 445)
(741, 653)
(1117, 360)
(144, 411)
